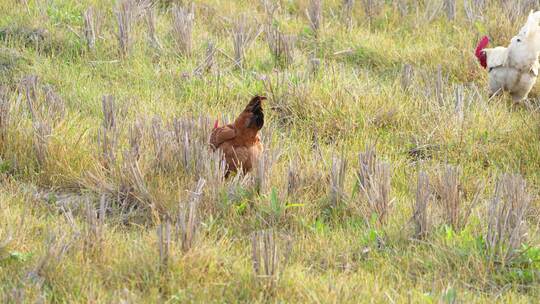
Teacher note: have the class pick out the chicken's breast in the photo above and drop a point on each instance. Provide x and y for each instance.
(509, 79)
(245, 157)
(523, 87)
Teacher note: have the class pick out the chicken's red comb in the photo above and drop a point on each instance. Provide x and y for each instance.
(216, 124)
(482, 58)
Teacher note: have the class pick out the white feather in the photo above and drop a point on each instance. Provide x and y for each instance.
(514, 69)
(496, 56)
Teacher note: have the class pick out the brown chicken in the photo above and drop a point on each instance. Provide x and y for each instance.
(239, 141)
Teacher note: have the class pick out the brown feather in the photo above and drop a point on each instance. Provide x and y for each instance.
(239, 141)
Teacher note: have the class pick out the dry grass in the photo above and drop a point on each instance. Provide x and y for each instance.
(108, 132)
(374, 179)
(151, 24)
(407, 74)
(271, 8)
(406, 80)
(243, 33)
(450, 198)
(348, 7)
(44, 104)
(183, 21)
(42, 132)
(281, 46)
(164, 146)
(314, 15)
(337, 181)
(450, 8)
(90, 28)
(453, 207)
(372, 8)
(314, 66)
(191, 137)
(519, 8)
(402, 7)
(125, 14)
(58, 246)
(164, 244)
(433, 10)
(474, 9)
(6, 239)
(46, 109)
(293, 177)
(422, 209)
(136, 133)
(188, 220)
(5, 110)
(94, 233)
(507, 225)
(209, 62)
(262, 171)
(268, 258)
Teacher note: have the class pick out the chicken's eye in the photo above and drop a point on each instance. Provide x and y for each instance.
(518, 40)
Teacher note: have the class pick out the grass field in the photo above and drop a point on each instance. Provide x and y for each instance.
(389, 176)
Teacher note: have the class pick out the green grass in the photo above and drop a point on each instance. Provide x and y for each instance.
(353, 101)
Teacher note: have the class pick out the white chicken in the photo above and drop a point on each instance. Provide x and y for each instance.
(514, 68)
